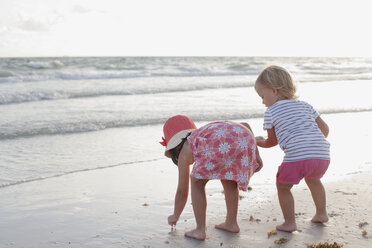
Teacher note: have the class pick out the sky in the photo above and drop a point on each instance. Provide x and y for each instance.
(185, 28)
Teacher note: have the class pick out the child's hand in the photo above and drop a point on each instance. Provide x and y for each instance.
(260, 139)
(172, 220)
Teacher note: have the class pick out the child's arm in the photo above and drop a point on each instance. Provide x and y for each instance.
(183, 184)
(270, 141)
(322, 126)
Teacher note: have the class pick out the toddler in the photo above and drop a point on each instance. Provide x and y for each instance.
(301, 134)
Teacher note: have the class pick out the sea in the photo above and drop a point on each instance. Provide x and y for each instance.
(66, 115)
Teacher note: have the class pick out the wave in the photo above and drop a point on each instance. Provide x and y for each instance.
(12, 77)
(99, 125)
(89, 68)
(55, 64)
(8, 76)
(23, 92)
(32, 95)
(7, 184)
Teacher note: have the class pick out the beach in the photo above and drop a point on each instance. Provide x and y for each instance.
(127, 205)
(81, 164)
(85, 90)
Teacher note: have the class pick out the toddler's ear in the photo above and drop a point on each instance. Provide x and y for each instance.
(276, 91)
(167, 154)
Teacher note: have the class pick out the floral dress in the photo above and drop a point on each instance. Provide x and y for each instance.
(224, 150)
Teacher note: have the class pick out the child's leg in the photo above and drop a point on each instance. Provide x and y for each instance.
(319, 197)
(287, 205)
(199, 205)
(231, 199)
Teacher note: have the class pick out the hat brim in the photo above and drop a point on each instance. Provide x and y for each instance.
(177, 139)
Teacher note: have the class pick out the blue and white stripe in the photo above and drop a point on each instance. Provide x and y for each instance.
(296, 130)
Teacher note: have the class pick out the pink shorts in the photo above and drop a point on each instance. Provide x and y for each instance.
(293, 172)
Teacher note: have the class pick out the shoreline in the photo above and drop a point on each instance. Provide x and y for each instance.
(128, 206)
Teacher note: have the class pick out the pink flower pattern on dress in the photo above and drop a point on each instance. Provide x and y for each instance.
(224, 150)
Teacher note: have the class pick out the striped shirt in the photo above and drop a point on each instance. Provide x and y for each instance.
(297, 133)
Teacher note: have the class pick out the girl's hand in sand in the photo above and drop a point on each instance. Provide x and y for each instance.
(172, 220)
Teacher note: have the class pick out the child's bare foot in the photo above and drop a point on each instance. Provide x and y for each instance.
(320, 218)
(196, 234)
(228, 227)
(287, 227)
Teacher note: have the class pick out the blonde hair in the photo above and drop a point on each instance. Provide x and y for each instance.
(278, 78)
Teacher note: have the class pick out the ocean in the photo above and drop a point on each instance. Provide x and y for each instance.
(68, 115)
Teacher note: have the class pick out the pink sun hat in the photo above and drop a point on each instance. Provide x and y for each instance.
(175, 129)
